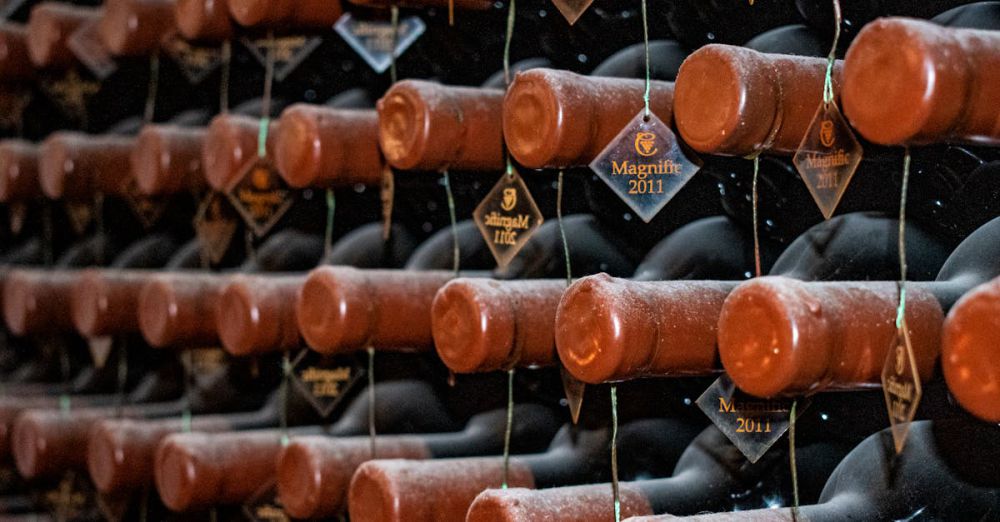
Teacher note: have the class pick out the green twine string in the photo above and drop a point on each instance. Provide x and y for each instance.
(265, 113)
(455, 252)
(64, 364)
(286, 371)
(371, 398)
(645, 39)
(265, 124)
(331, 207)
(395, 40)
(509, 428)
(756, 231)
(562, 231)
(506, 49)
(791, 460)
(901, 311)
(614, 454)
(832, 57)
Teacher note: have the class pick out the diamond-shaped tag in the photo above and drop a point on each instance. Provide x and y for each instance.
(149, 209)
(17, 213)
(507, 217)
(289, 52)
(13, 101)
(215, 224)
(827, 157)
(572, 9)
(261, 196)
(80, 216)
(264, 505)
(901, 386)
(574, 389)
(753, 425)
(324, 380)
(113, 508)
(71, 92)
(644, 165)
(86, 45)
(72, 499)
(100, 349)
(196, 62)
(372, 39)
(202, 364)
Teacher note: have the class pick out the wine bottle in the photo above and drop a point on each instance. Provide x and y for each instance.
(431, 127)
(49, 28)
(307, 14)
(539, 101)
(135, 27)
(15, 65)
(178, 309)
(601, 337)
(966, 348)
(416, 490)
(319, 146)
(204, 20)
(314, 472)
(785, 91)
(342, 309)
(137, 441)
(952, 456)
(935, 97)
(814, 358)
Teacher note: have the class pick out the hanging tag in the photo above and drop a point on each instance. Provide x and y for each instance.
(203, 364)
(265, 506)
(113, 508)
(507, 217)
(71, 93)
(901, 386)
(215, 224)
(13, 100)
(289, 52)
(17, 214)
(80, 216)
(574, 389)
(753, 425)
(827, 157)
(324, 380)
(100, 349)
(572, 9)
(195, 62)
(387, 193)
(372, 39)
(72, 499)
(86, 45)
(261, 196)
(149, 209)
(644, 165)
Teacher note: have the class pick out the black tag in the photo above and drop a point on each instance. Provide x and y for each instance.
(289, 52)
(261, 196)
(324, 380)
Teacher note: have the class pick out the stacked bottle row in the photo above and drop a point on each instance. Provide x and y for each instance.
(291, 354)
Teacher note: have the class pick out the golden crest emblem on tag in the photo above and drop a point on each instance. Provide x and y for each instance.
(826, 134)
(645, 144)
(509, 199)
